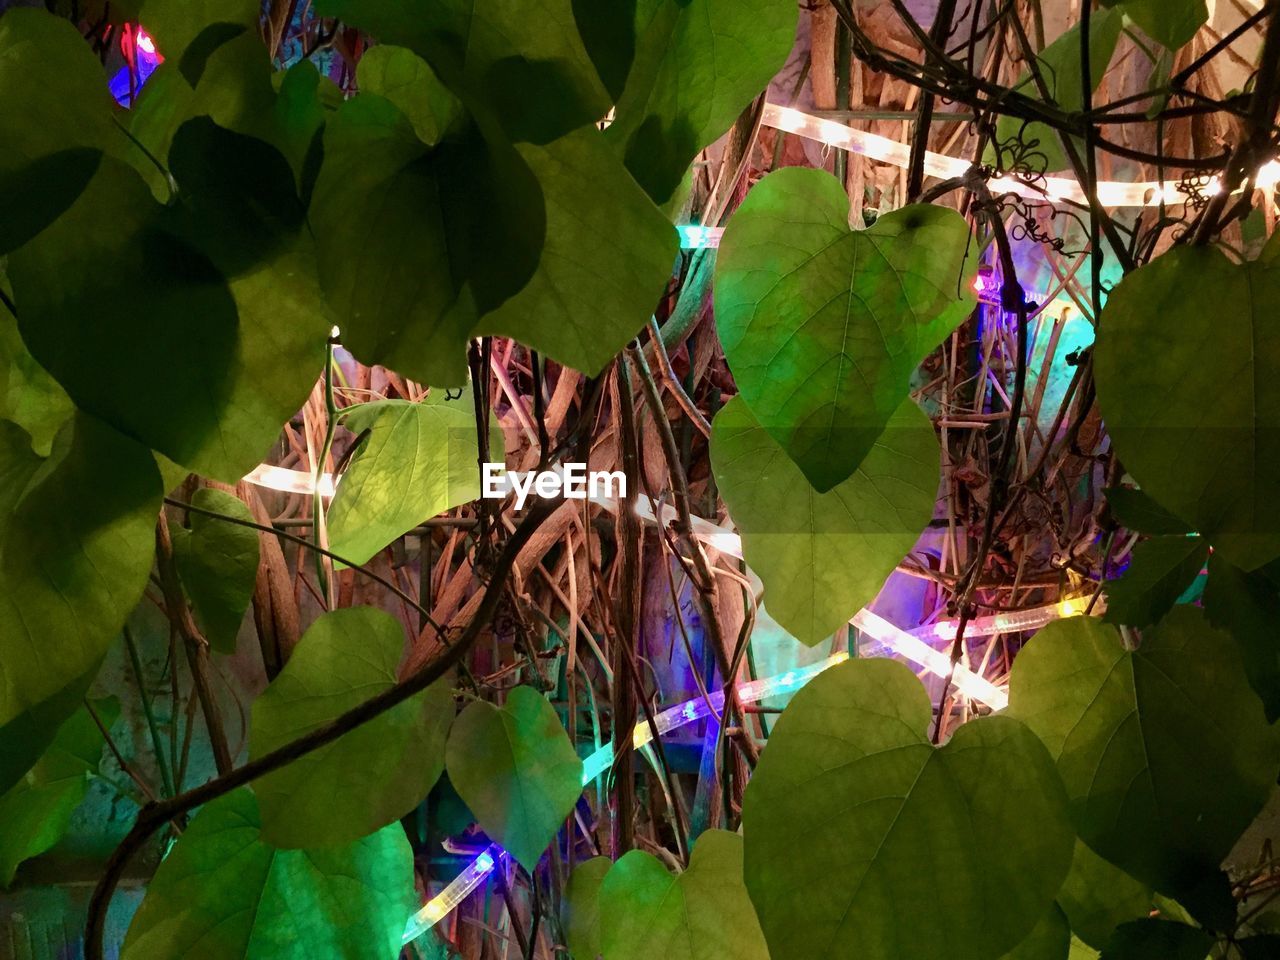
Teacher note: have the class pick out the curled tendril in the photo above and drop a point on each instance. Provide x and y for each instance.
(455, 394)
(1019, 156)
(1195, 189)
(1027, 227)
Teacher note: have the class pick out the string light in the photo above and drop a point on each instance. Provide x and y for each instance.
(875, 626)
(439, 906)
(1111, 193)
(910, 646)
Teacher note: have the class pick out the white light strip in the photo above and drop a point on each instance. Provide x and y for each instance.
(1013, 622)
(1111, 193)
(911, 646)
(439, 906)
(290, 481)
(905, 644)
(935, 661)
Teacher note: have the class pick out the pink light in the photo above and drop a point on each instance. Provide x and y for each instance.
(985, 282)
(145, 43)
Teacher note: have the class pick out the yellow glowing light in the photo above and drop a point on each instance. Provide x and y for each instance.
(1073, 606)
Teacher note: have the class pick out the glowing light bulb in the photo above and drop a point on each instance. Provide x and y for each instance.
(145, 43)
(1268, 175)
(1073, 607)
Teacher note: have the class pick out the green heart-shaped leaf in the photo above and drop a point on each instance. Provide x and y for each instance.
(580, 914)
(1138, 512)
(1050, 939)
(124, 303)
(404, 78)
(218, 564)
(1164, 750)
(175, 24)
(607, 258)
(516, 770)
(1170, 22)
(55, 121)
(1160, 570)
(1098, 896)
(222, 892)
(76, 544)
(410, 249)
(1247, 606)
(1036, 148)
(523, 62)
(37, 811)
(852, 810)
(1189, 325)
(369, 777)
(24, 738)
(694, 66)
(28, 395)
(702, 914)
(822, 325)
(418, 460)
(824, 556)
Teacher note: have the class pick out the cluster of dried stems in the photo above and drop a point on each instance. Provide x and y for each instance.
(1023, 521)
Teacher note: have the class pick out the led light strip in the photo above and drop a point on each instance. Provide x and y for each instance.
(911, 646)
(875, 626)
(1111, 193)
(474, 874)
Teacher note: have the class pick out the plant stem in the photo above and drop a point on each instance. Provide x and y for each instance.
(135, 661)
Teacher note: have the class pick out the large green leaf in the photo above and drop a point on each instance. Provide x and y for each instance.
(702, 914)
(1247, 606)
(157, 321)
(404, 78)
(852, 812)
(823, 326)
(697, 64)
(1171, 22)
(1138, 512)
(418, 460)
(55, 121)
(516, 770)
(37, 811)
(76, 541)
(30, 397)
(1188, 325)
(1160, 570)
(523, 61)
(218, 564)
(137, 325)
(369, 777)
(1155, 939)
(1098, 896)
(607, 259)
(175, 24)
(416, 242)
(1165, 751)
(1035, 148)
(1050, 939)
(580, 913)
(824, 556)
(223, 893)
(232, 83)
(24, 738)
